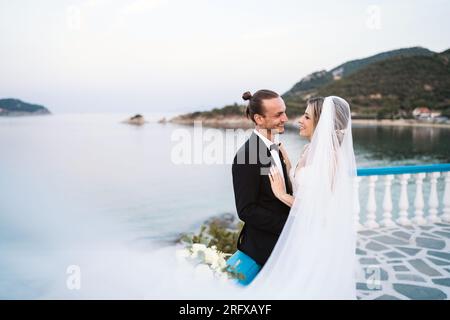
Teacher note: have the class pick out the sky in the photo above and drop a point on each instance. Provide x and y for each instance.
(184, 55)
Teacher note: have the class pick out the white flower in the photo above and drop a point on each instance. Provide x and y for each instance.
(211, 256)
(211, 262)
(196, 248)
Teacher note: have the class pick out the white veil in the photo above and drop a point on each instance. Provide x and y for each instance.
(314, 257)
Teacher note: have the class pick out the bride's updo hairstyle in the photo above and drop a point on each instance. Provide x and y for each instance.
(255, 102)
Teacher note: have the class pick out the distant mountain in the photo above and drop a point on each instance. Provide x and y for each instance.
(395, 86)
(15, 107)
(321, 78)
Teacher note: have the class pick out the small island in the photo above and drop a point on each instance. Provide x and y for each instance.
(17, 108)
(137, 120)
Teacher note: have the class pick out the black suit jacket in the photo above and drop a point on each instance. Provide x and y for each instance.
(263, 214)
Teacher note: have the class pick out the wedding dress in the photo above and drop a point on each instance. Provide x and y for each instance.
(296, 175)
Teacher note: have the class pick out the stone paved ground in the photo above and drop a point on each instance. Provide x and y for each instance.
(410, 262)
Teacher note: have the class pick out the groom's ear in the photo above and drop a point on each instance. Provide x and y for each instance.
(259, 119)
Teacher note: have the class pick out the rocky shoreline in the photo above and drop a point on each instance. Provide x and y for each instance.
(232, 122)
(24, 114)
(238, 122)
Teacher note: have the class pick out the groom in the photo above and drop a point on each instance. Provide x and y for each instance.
(263, 214)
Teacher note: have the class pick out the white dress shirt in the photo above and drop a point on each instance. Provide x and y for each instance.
(274, 153)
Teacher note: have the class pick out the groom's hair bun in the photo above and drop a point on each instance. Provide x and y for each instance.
(246, 95)
(255, 102)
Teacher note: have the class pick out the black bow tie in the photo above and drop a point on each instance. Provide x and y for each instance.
(275, 146)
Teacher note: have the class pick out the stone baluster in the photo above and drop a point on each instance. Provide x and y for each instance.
(403, 202)
(387, 202)
(433, 202)
(418, 201)
(371, 205)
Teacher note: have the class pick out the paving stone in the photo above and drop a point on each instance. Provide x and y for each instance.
(360, 252)
(424, 268)
(393, 254)
(442, 281)
(429, 235)
(439, 262)
(409, 251)
(402, 234)
(390, 240)
(439, 254)
(368, 261)
(425, 227)
(386, 297)
(367, 232)
(430, 243)
(443, 234)
(376, 246)
(401, 268)
(409, 277)
(419, 292)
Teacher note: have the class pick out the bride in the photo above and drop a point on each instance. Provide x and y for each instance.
(314, 257)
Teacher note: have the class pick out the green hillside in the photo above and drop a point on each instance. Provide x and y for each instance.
(15, 107)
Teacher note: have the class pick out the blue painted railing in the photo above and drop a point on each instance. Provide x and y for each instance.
(361, 172)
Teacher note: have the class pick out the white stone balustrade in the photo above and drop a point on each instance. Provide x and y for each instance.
(438, 205)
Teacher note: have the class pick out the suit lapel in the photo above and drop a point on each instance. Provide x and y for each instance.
(287, 182)
(261, 143)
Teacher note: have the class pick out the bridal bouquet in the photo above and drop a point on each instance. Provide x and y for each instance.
(208, 260)
(210, 248)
